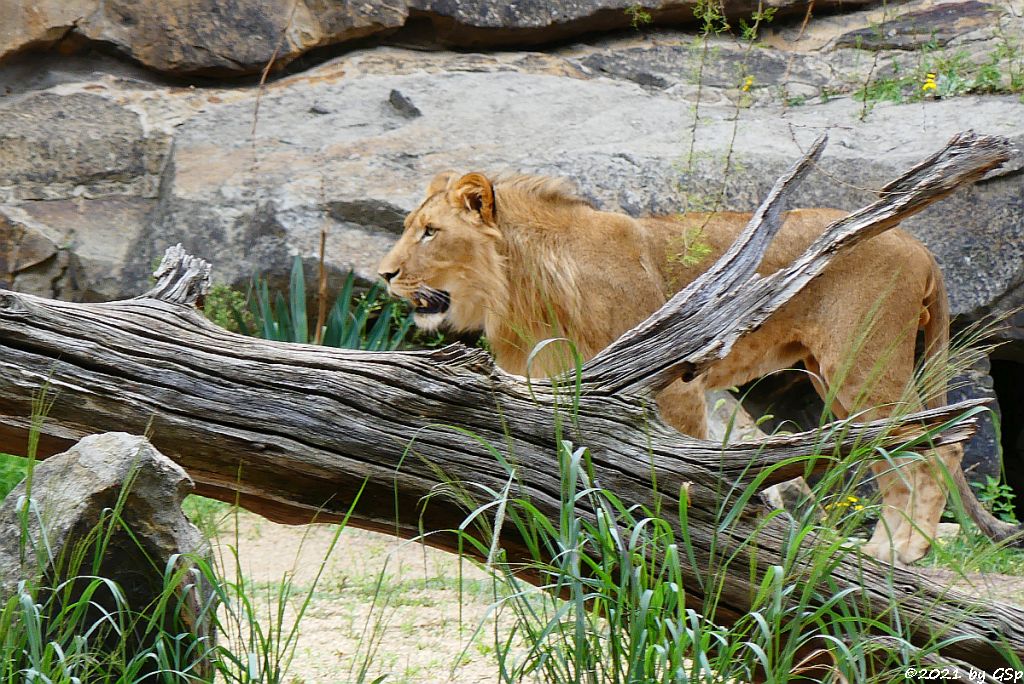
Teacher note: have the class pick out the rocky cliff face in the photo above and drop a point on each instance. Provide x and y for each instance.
(105, 160)
(237, 37)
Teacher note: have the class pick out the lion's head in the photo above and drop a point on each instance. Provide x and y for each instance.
(448, 261)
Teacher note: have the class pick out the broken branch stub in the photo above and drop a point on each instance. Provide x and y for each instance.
(180, 278)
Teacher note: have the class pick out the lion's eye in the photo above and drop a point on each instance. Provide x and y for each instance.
(429, 232)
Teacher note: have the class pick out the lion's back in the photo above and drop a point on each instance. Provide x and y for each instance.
(688, 244)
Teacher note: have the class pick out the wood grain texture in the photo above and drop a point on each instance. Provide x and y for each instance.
(294, 431)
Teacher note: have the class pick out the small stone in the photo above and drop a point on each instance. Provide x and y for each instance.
(403, 105)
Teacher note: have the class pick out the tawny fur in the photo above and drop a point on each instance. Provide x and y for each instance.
(524, 260)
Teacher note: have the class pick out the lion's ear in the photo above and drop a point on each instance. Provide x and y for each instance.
(475, 193)
(441, 182)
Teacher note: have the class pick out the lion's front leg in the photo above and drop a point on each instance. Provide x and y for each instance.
(683, 407)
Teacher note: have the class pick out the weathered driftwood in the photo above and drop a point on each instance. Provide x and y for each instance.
(294, 431)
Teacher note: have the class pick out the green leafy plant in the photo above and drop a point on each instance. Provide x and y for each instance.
(209, 515)
(367, 321)
(638, 16)
(998, 497)
(972, 552)
(12, 471)
(689, 248)
(224, 306)
(947, 74)
(371, 321)
(763, 15)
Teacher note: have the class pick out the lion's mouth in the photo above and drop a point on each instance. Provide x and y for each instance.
(427, 300)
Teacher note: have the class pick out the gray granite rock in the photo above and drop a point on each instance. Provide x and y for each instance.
(932, 26)
(75, 492)
(359, 167)
(55, 145)
(79, 249)
(332, 149)
(981, 454)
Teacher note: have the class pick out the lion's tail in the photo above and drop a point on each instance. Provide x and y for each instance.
(936, 344)
(936, 335)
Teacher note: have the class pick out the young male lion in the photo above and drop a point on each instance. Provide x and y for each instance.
(524, 259)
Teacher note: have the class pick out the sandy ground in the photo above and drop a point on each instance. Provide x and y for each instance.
(398, 606)
(394, 604)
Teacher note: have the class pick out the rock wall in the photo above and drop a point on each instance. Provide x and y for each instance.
(238, 37)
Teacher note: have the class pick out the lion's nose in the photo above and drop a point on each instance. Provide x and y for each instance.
(387, 276)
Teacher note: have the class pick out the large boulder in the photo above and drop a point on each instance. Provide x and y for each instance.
(80, 172)
(928, 27)
(73, 495)
(53, 145)
(242, 36)
(72, 249)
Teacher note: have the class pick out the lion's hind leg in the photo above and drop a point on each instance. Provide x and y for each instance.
(912, 487)
(917, 488)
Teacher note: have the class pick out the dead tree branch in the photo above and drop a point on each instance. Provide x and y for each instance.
(294, 431)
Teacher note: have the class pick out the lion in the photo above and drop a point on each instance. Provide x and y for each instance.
(523, 259)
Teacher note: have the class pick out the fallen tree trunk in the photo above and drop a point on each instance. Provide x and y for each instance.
(294, 431)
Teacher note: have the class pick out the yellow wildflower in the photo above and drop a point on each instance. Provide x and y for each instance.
(749, 81)
(929, 83)
(852, 499)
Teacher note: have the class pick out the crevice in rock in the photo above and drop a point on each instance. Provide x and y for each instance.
(368, 213)
(1008, 374)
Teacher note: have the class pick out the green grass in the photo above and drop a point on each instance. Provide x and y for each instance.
(970, 552)
(72, 625)
(399, 592)
(212, 517)
(948, 74)
(625, 616)
(616, 607)
(69, 624)
(65, 623)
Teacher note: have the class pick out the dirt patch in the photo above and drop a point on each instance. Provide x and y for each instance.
(989, 585)
(414, 613)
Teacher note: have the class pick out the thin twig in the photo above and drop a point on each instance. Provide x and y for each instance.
(321, 312)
